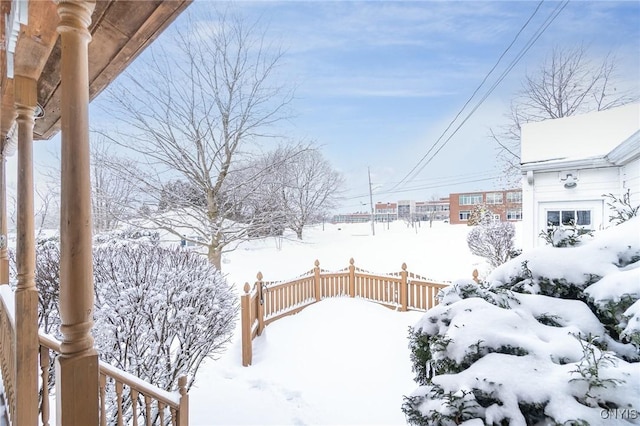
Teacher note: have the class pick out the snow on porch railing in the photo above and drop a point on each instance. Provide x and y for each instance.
(152, 405)
(268, 301)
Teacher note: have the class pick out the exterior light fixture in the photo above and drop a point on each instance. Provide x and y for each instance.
(570, 181)
(39, 112)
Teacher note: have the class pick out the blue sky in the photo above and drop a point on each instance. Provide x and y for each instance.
(378, 82)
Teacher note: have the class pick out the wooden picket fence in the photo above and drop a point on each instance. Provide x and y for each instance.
(268, 301)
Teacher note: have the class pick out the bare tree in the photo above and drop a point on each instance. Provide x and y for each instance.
(493, 241)
(111, 191)
(567, 83)
(193, 114)
(310, 187)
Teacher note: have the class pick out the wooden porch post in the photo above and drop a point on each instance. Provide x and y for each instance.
(77, 373)
(4, 257)
(26, 292)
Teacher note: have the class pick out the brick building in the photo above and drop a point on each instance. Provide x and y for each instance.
(505, 205)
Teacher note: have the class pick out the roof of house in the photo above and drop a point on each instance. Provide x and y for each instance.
(592, 135)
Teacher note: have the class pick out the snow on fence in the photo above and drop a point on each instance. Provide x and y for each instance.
(269, 301)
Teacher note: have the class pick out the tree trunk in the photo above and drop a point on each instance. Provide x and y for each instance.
(299, 233)
(215, 256)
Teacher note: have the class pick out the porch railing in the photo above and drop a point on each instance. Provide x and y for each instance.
(7, 348)
(268, 301)
(132, 400)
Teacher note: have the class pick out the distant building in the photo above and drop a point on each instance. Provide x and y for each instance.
(568, 164)
(351, 218)
(385, 212)
(504, 205)
(432, 210)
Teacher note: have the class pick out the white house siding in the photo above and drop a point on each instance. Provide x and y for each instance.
(630, 176)
(547, 192)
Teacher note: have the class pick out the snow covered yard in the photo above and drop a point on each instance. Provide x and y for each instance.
(342, 361)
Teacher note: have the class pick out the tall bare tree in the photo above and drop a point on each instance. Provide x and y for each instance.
(310, 186)
(192, 114)
(111, 191)
(567, 82)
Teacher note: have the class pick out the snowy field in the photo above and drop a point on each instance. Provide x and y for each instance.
(341, 361)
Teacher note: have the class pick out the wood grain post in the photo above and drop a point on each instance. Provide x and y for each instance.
(316, 280)
(26, 301)
(183, 419)
(4, 258)
(352, 278)
(245, 324)
(45, 360)
(77, 373)
(404, 288)
(260, 300)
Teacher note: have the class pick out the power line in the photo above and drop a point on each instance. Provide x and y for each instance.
(418, 188)
(421, 164)
(504, 52)
(513, 63)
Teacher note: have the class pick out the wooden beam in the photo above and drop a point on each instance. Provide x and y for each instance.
(124, 30)
(36, 39)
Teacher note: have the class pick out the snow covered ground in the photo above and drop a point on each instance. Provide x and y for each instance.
(341, 361)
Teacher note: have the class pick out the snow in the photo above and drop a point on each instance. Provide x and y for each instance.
(7, 295)
(341, 361)
(579, 136)
(517, 347)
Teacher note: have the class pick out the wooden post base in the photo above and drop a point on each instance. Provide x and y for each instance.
(77, 379)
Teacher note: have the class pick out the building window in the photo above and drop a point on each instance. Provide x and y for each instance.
(464, 214)
(470, 199)
(569, 217)
(514, 197)
(494, 198)
(514, 214)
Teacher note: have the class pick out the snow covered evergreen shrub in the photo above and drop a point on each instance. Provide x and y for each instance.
(492, 240)
(565, 235)
(552, 337)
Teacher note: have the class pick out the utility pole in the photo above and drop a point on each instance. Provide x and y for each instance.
(373, 217)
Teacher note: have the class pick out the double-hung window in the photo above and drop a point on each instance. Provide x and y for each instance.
(470, 199)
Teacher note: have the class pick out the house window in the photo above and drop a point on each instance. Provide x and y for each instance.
(464, 214)
(569, 217)
(494, 198)
(470, 199)
(514, 197)
(514, 214)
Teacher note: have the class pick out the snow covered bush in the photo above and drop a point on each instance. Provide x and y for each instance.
(552, 337)
(47, 279)
(159, 312)
(492, 240)
(565, 235)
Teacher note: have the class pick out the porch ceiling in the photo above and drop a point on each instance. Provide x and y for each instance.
(120, 30)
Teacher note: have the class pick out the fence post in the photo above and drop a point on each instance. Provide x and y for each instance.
(183, 418)
(352, 278)
(475, 276)
(260, 301)
(316, 280)
(245, 322)
(403, 288)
